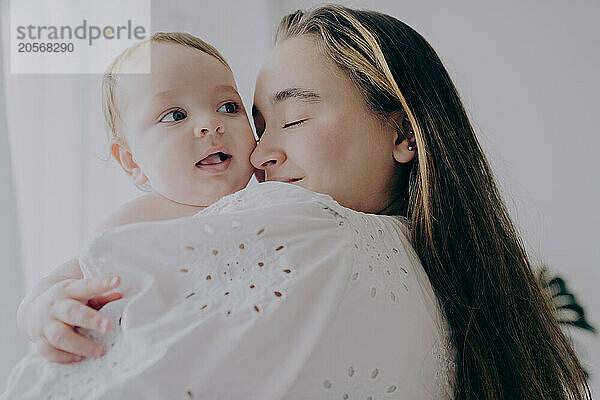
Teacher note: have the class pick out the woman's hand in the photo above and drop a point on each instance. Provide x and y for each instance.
(49, 319)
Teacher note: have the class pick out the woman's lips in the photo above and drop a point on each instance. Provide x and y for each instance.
(216, 167)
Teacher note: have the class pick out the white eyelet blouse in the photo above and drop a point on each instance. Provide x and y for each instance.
(274, 292)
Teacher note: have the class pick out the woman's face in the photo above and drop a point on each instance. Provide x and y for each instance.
(316, 131)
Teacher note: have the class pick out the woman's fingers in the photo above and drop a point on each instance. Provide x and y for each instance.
(100, 301)
(74, 313)
(64, 338)
(84, 289)
(55, 355)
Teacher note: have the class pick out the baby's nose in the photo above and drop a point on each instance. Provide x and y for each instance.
(214, 126)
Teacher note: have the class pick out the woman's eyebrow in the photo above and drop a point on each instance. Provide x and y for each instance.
(299, 94)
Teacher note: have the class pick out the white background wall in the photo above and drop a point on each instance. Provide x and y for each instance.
(527, 72)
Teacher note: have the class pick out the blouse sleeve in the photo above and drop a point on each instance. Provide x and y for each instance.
(222, 306)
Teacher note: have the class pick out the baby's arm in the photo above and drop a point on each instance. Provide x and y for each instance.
(63, 299)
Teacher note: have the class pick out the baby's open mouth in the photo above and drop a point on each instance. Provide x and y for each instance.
(214, 163)
(215, 158)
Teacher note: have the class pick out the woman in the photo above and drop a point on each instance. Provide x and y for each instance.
(355, 105)
(507, 342)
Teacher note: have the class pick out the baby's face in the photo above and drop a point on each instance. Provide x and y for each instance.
(186, 126)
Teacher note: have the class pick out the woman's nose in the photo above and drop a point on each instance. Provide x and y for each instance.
(266, 156)
(213, 125)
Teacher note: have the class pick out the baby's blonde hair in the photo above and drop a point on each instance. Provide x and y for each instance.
(111, 76)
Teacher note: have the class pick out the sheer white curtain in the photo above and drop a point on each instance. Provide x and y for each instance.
(63, 186)
(12, 345)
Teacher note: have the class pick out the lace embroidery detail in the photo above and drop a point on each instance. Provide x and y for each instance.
(78, 380)
(444, 356)
(358, 384)
(270, 193)
(379, 265)
(242, 274)
(381, 274)
(228, 203)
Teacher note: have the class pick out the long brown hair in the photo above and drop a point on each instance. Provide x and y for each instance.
(507, 340)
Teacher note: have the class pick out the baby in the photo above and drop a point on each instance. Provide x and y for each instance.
(180, 132)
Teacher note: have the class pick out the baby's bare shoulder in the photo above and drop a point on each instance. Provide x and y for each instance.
(149, 207)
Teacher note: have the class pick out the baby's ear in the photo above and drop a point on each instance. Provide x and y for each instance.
(122, 154)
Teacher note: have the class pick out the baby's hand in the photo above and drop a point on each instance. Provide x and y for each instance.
(68, 304)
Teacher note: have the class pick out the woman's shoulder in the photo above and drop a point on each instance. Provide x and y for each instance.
(390, 268)
(273, 198)
(388, 302)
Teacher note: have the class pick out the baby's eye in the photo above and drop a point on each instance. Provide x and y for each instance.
(230, 107)
(172, 116)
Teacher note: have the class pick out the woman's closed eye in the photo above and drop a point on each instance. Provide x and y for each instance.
(231, 107)
(174, 116)
(295, 123)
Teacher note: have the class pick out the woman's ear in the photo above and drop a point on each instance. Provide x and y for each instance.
(405, 147)
(121, 152)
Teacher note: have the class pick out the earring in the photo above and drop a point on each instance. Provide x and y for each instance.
(410, 148)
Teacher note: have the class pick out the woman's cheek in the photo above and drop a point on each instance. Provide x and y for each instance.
(322, 145)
